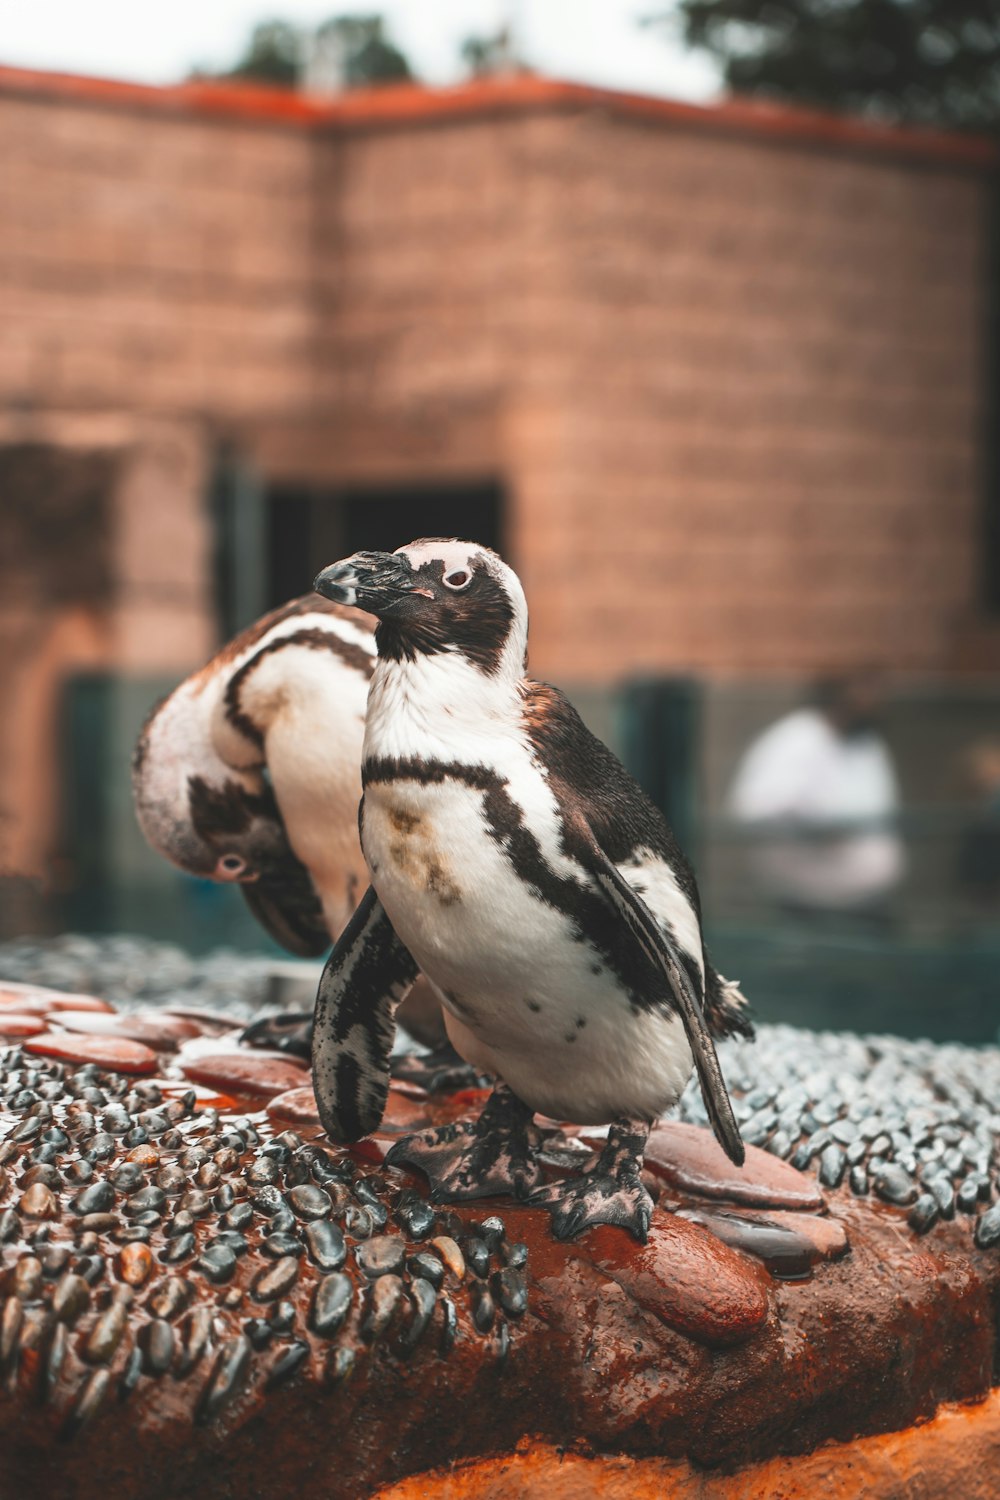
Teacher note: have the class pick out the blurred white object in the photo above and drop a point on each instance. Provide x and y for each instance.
(803, 784)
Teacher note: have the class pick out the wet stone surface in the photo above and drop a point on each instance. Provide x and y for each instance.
(169, 1227)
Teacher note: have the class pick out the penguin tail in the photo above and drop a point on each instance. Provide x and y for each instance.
(726, 1009)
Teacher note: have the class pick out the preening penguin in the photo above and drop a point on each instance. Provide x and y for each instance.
(515, 862)
(250, 770)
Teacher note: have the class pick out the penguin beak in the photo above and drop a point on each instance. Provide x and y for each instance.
(374, 581)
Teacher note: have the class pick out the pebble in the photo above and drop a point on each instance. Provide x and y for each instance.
(159, 1345)
(70, 1296)
(195, 1332)
(924, 1213)
(39, 1202)
(944, 1193)
(130, 1374)
(27, 1284)
(511, 1291)
(988, 1227)
(451, 1253)
(832, 1165)
(287, 1363)
(277, 1245)
(178, 1248)
(107, 1332)
(383, 1300)
(483, 1308)
(98, 1197)
(477, 1256)
(55, 1357)
(274, 1281)
(217, 1262)
(259, 1332)
(382, 1255)
(423, 1296)
(416, 1218)
(11, 1321)
(309, 1202)
(449, 1327)
(135, 1263)
(238, 1217)
(331, 1304)
(428, 1267)
(145, 1200)
(88, 1402)
(226, 1379)
(340, 1366)
(895, 1185)
(325, 1244)
(968, 1196)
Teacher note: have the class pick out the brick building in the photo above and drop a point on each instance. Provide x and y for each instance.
(715, 379)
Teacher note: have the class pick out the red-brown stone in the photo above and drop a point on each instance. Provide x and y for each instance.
(690, 1159)
(247, 1072)
(150, 1027)
(14, 1023)
(688, 1278)
(297, 1105)
(33, 996)
(118, 1054)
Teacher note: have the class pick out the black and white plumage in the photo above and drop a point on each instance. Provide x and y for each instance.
(250, 770)
(535, 885)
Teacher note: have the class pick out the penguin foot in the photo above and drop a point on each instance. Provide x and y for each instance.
(440, 1071)
(613, 1193)
(290, 1032)
(480, 1158)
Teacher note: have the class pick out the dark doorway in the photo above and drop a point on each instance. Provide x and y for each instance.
(307, 528)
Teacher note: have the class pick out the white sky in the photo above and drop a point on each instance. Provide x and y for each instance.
(595, 41)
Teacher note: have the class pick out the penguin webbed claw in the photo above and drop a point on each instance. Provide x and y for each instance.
(440, 1071)
(612, 1193)
(484, 1158)
(290, 1032)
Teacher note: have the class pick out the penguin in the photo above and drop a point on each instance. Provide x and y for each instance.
(248, 772)
(515, 862)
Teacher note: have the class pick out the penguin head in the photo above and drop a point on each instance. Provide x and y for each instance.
(194, 809)
(437, 595)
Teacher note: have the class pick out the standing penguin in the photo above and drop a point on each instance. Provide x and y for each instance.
(515, 862)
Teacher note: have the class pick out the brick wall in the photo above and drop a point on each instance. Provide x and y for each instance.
(731, 379)
(738, 382)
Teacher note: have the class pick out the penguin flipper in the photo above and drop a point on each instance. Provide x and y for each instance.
(366, 976)
(660, 950)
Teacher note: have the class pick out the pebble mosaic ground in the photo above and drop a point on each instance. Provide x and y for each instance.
(178, 1239)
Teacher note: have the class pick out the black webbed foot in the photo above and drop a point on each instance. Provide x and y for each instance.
(440, 1071)
(612, 1193)
(476, 1158)
(291, 1032)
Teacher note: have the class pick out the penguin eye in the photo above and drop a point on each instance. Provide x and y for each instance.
(232, 864)
(459, 580)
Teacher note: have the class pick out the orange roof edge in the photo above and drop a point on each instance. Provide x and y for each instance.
(394, 104)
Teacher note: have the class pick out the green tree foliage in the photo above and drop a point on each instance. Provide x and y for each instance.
(272, 55)
(368, 55)
(935, 61)
(365, 54)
